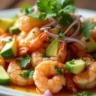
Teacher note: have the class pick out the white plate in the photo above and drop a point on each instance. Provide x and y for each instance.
(8, 14)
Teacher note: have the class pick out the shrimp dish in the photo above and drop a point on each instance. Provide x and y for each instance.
(50, 47)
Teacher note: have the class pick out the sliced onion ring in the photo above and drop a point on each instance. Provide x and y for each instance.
(76, 32)
(75, 22)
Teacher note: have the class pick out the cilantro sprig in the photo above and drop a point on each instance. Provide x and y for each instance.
(60, 71)
(87, 27)
(27, 74)
(85, 93)
(23, 61)
(55, 8)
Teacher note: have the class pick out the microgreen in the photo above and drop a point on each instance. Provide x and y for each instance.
(23, 61)
(60, 71)
(86, 30)
(27, 74)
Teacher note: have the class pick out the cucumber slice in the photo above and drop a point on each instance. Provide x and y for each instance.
(10, 50)
(52, 49)
(4, 78)
(75, 66)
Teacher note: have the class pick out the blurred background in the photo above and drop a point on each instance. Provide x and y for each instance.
(8, 4)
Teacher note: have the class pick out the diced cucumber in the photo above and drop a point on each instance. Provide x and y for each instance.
(10, 50)
(52, 49)
(75, 66)
(4, 78)
(90, 43)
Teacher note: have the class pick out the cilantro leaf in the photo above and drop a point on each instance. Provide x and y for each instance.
(68, 2)
(60, 71)
(85, 31)
(45, 5)
(23, 61)
(27, 9)
(27, 74)
(85, 93)
(66, 20)
(67, 9)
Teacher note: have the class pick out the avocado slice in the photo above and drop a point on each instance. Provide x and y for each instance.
(75, 66)
(5, 23)
(14, 29)
(52, 49)
(4, 78)
(90, 43)
(10, 50)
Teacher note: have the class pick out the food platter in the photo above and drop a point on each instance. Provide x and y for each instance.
(5, 91)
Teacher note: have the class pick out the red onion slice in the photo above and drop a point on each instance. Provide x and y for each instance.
(69, 39)
(47, 93)
(76, 32)
(51, 34)
(77, 19)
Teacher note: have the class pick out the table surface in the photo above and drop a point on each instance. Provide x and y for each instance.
(6, 4)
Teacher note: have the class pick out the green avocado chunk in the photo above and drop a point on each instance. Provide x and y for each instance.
(5, 23)
(52, 49)
(10, 50)
(4, 78)
(14, 29)
(90, 43)
(75, 66)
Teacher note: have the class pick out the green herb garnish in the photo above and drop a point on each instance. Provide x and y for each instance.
(85, 31)
(27, 9)
(27, 74)
(58, 8)
(23, 61)
(85, 93)
(60, 71)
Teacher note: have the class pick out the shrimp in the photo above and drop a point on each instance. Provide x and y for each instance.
(26, 23)
(38, 55)
(14, 71)
(86, 79)
(31, 41)
(69, 82)
(48, 79)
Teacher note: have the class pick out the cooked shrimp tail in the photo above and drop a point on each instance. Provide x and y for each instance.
(61, 56)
